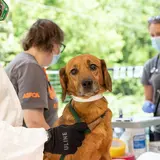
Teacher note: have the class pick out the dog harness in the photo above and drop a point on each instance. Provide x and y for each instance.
(78, 120)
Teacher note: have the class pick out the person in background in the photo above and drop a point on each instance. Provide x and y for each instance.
(151, 73)
(42, 47)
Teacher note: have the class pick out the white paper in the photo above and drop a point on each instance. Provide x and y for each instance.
(149, 156)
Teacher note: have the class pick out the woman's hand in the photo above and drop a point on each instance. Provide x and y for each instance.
(148, 107)
(65, 139)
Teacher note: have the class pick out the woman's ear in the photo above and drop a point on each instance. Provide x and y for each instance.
(63, 81)
(106, 77)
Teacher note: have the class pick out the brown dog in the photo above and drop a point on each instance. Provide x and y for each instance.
(85, 77)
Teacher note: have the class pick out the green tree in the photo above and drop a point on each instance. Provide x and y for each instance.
(113, 30)
(116, 31)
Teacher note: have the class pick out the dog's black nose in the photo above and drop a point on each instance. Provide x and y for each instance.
(87, 83)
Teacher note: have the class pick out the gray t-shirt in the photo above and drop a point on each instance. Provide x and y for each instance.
(149, 78)
(31, 85)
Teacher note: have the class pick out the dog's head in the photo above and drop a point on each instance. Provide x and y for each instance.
(85, 76)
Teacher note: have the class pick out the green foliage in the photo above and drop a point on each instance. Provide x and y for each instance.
(116, 31)
(127, 86)
(131, 105)
(113, 30)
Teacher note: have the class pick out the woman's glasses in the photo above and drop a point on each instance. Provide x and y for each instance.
(62, 47)
(154, 19)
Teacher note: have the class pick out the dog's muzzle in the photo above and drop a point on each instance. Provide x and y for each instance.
(87, 84)
(88, 87)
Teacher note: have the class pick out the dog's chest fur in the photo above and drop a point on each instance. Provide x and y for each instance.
(97, 143)
(87, 111)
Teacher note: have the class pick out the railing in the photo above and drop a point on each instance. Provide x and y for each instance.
(116, 74)
(126, 72)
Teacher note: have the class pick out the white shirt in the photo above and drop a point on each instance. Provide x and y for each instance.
(17, 142)
(10, 108)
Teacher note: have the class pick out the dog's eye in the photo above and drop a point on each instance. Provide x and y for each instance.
(74, 71)
(93, 67)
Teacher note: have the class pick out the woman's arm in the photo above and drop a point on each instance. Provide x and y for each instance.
(34, 118)
(148, 92)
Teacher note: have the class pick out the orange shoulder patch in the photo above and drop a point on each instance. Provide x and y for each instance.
(55, 105)
(31, 95)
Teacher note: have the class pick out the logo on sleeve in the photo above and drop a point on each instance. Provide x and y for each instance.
(31, 95)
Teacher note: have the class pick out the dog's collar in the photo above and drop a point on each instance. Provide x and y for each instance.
(90, 99)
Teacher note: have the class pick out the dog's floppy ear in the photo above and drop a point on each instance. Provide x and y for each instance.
(106, 77)
(63, 81)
